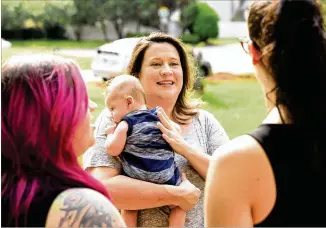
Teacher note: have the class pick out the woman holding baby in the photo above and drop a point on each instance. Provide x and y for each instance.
(166, 73)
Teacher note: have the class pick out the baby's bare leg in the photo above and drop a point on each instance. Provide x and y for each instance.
(130, 217)
(177, 217)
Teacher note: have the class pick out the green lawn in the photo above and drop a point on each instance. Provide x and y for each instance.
(84, 62)
(96, 93)
(27, 47)
(238, 105)
(66, 44)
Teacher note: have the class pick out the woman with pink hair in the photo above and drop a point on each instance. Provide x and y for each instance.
(45, 126)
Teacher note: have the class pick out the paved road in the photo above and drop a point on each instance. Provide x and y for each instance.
(227, 59)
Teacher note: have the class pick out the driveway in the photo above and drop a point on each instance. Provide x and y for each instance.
(227, 59)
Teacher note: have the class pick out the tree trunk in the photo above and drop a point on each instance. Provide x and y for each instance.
(138, 26)
(118, 28)
(104, 31)
(239, 12)
(78, 31)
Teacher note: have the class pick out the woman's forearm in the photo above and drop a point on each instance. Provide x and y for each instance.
(132, 194)
(197, 159)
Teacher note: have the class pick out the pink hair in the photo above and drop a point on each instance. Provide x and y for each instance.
(44, 98)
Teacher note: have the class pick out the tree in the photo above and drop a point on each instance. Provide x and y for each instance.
(101, 11)
(239, 12)
(188, 15)
(206, 22)
(146, 13)
(119, 12)
(55, 18)
(171, 4)
(83, 13)
(13, 15)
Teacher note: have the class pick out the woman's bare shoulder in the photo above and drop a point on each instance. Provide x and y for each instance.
(83, 207)
(242, 165)
(242, 147)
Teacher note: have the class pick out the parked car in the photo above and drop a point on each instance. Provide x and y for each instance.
(5, 43)
(112, 59)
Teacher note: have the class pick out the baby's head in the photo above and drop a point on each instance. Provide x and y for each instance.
(124, 94)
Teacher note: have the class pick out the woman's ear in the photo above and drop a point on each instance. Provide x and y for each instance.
(255, 54)
(130, 101)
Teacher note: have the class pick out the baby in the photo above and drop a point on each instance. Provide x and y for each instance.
(138, 142)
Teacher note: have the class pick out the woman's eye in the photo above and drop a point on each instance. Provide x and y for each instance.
(174, 64)
(155, 64)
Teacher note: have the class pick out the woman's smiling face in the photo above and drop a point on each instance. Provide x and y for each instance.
(161, 72)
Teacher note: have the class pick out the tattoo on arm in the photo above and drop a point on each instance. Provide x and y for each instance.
(82, 210)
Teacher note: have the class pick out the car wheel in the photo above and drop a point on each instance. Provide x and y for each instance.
(203, 71)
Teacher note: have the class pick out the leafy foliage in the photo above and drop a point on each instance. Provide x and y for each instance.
(205, 25)
(188, 16)
(201, 21)
(190, 38)
(13, 16)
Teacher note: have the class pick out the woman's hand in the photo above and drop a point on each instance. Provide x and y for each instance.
(198, 160)
(189, 194)
(171, 132)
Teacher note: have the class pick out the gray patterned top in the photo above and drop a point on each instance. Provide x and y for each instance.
(205, 133)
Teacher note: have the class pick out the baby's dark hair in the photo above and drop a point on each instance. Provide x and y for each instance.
(127, 85)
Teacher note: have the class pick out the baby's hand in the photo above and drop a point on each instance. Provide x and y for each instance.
(110, 129)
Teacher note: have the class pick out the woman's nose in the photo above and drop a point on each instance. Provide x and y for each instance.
(166, 70)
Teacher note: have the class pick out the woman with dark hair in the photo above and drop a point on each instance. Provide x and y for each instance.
(276, 175)
(167, 76)
(45, 126)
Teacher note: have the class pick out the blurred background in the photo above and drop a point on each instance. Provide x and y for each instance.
(100, 35)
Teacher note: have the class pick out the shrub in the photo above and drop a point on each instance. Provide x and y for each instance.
(188, 15)
(206, 22)
(137, 34)
(22, 34)
(55, 32)
(190, 38)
